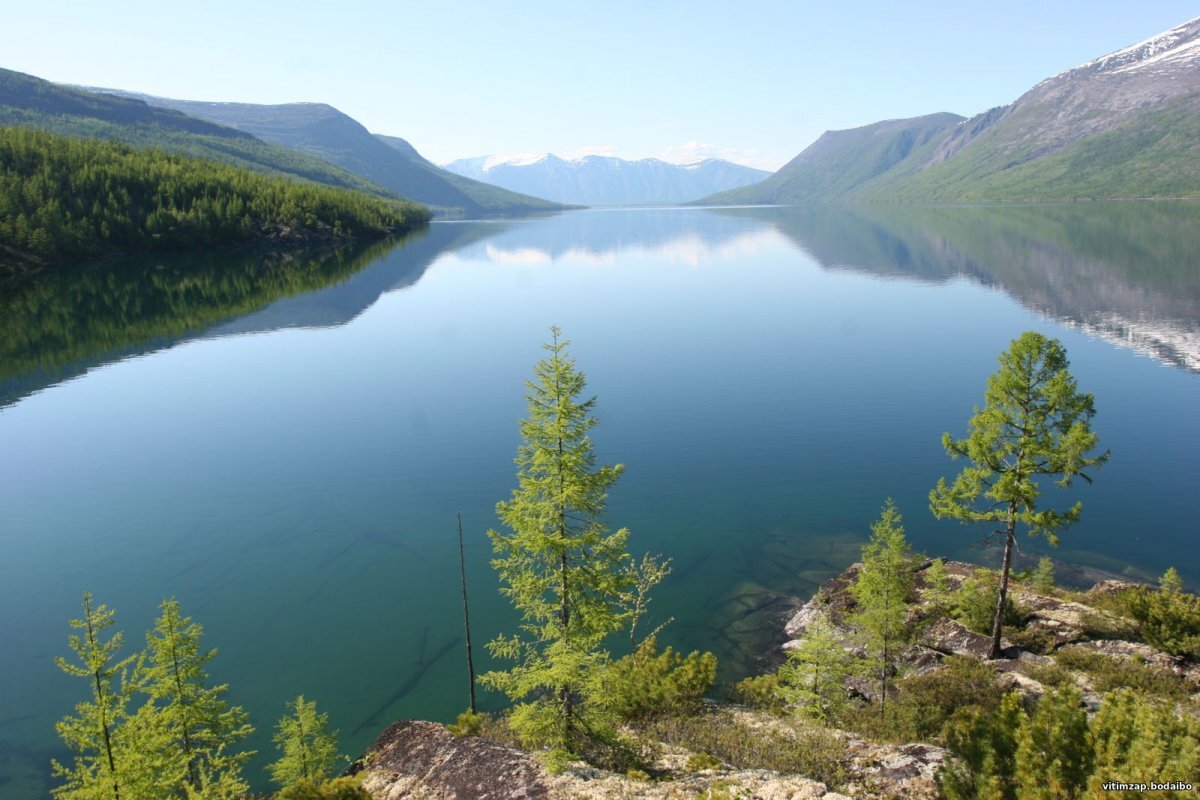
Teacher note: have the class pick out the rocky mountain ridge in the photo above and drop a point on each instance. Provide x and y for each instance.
(1121, 126)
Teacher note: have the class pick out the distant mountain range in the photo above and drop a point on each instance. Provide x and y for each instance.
(310, 141)
(1126, 125)
(320, 130)
(608, 181)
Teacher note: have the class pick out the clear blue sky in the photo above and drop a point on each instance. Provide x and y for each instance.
(757, 82)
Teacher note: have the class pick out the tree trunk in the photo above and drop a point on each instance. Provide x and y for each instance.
(462, 568)
(1009, 542)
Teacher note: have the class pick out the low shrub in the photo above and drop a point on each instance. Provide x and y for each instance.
(1109, 673)
(811, 751)
(1169, 617)
(761, 692)
(338, 789)
(648, 683)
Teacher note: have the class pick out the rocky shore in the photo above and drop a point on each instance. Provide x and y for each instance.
(416, 760)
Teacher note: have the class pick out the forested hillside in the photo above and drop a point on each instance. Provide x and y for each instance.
(35, 103)
(63, 197)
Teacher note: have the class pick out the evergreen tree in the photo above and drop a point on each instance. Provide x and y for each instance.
(1034, 424)
(1169, 617)
(937, 586)
(813, 680)
(559, 564)
(986, 745)
(308, 749)
(884, 586)
(99, 767)
(202, 725)
(1054, 752)
(1136, 740)
(1042, 577)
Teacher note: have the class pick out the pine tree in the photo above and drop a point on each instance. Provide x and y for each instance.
(203, 726)
(308, 749)
(884, 586)
(559, 565)
(98, 769)
(986, 745)
(1054, 751)
(1034, 424)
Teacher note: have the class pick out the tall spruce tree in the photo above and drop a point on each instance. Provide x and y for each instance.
(560, 565)
(1035, 424)
(202, 726)
(883, 589)
(99, 767)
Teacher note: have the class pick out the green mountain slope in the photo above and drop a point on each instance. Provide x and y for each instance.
(1122, 126)
(65, 197)
(32, 102)
(322, 131)
(846, 164)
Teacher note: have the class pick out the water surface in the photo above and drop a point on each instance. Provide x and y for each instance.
(284, 446)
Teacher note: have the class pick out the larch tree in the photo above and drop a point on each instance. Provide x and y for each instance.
(98, 769)
(559, 564)
(308, 749)
(1035, 424)
(203, 727)
(883, 589)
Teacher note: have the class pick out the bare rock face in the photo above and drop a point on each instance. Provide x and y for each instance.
(949, 637)
(416, 760)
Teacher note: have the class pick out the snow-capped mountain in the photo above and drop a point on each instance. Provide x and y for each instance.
(605, 180)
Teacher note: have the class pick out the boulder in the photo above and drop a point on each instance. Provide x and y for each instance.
(417, 760)
(947, 636)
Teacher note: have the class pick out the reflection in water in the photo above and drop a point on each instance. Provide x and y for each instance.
(303, 486)
(65, 323)
(1127, 272)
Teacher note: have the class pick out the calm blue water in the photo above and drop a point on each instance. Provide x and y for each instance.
(768, 377)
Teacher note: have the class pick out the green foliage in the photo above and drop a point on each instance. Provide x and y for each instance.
(469, 723)
(202, 726)
(883, 589)
(923, 704)
(568, 575)
(1042, 577)
(1054, 754)
(63, 198)
(176, 744)
(102, 761)
(813, 680)
(1108, 673)
(1034, 424)
(986, 746)
(937, 586)
(1169, 617)
(760, 691)
(648, 682)
(1138, 740)
(308, 749)
(801, 749)
(1008, 754)
(337, 789)
(974, 602)
(698, 762)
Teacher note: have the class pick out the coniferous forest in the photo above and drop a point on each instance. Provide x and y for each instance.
(69, 198)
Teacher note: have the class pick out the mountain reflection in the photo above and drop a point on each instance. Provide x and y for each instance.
(63, 324)
(1126, 272)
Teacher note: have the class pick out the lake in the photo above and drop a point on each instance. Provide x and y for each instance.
(283, 443)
